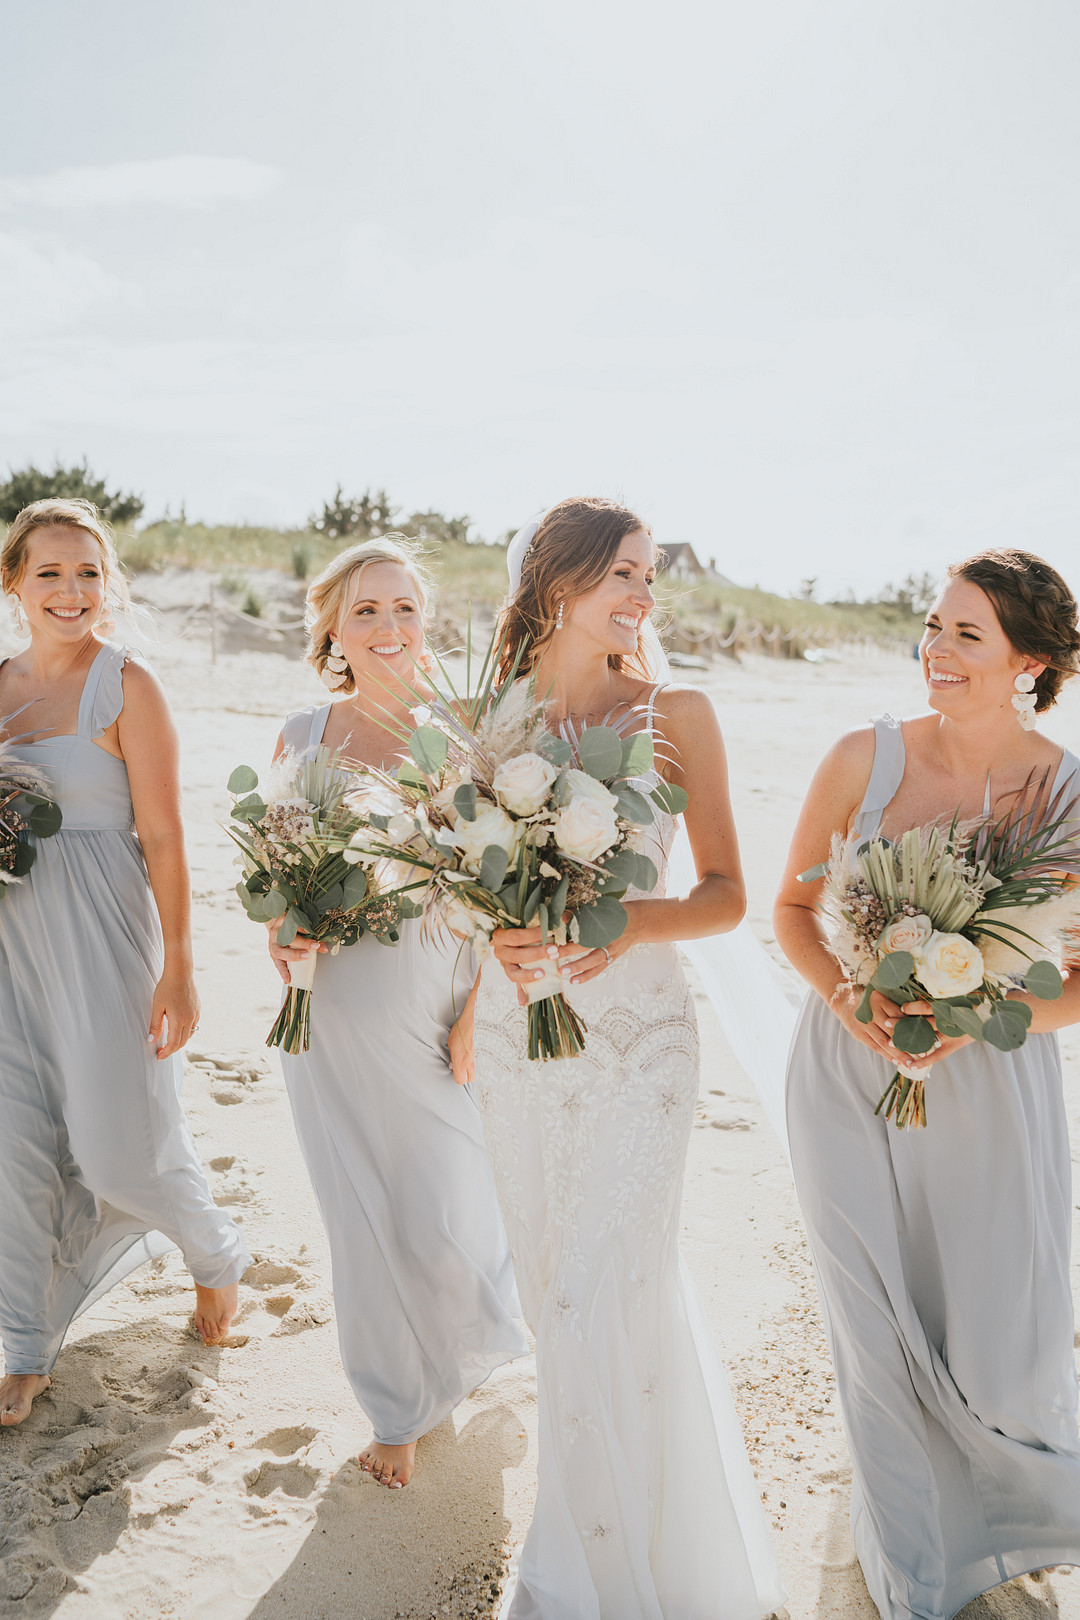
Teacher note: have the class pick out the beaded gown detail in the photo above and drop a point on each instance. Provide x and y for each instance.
(646, 1506)
(423, 1285)
(101, 1172)
(942, 1258)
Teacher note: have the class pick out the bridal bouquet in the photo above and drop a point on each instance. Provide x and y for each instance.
(293, 844)
(955, 916)
(25, 809)
(507, 826)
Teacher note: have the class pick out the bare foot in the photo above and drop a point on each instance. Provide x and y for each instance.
(390, 1465)
(214, 1311)
(17, 1392)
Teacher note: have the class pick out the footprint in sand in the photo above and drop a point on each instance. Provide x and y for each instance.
(292, 1476)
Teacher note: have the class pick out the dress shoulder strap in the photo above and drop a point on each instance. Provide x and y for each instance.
(650, 711)
(303, 729)
(103, 690)
(885, 777)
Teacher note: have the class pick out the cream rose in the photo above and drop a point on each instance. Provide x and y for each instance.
(580, 785)
(585, 827)
(950, 965)
(491, 826)
(522, 783)
(905, 934)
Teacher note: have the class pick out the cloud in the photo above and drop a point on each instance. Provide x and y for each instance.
(44, 291)
(176, 182)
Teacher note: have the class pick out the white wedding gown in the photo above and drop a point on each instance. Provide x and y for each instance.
(646, 1505)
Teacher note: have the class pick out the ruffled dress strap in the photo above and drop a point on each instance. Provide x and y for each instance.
(885, 777)
(303, 729)
(103, 691)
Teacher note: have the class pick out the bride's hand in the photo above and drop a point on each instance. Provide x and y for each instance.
(519, 952)
(282, 955)
(597, 961)
(876, 1035)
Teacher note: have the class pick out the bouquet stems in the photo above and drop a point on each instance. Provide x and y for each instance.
(905, 1098)
(555, 1030)
(292, 1027)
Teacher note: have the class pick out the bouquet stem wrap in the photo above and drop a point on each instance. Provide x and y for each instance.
(292, 1028)
(555, 1030)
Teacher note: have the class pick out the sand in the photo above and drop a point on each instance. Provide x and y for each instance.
(158, 1478)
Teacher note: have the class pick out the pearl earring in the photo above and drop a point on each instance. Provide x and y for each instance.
(335, 670)
(558, 617)
(1024, 700)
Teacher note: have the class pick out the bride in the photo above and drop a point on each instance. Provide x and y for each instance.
(646, 1506)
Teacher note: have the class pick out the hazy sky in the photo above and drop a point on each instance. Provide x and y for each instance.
(798, 278)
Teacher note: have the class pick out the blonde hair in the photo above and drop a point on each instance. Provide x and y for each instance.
(64, 514)
(330, 593)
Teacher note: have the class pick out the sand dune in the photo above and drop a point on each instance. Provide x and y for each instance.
(158, 1478)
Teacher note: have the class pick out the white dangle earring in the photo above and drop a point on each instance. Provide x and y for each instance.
(18, 615)
(558, 617)
(335, 670)
(1024, 700)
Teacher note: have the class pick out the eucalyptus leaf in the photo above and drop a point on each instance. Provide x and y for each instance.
(600, 750)
(409, 908)
(893, 971)
(465, 801)
(557, 903)
(554, 749)
(252, 808)
(1007, 1026)
(45, 819)
(287, 931)
(329, 901)
(276, 903)
(864, 1012)
(1043, 979)
(428, 748)
(637, 754)
(493, 864)
(669, 798)
(601, 922)
(968, 1022)
(532, 905)
(23, 858)
(354, 888)
(632, 869)
(946, 1020)
(633, 806)
(915, 1035)
(243, 780)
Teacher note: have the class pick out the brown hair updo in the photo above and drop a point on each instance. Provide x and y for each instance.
(1035, 609)
(570, 553)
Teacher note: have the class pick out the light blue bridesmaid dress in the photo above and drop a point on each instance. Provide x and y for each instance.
(100, 1171)
(942, 1256)
(423, 1285)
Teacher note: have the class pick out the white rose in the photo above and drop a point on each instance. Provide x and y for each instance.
(400, 828)
(471, 925)
(905, 934)
(950, 965)
(585, 828)
(376, 800)
(580, 785)
(522, 783)
(491, 826)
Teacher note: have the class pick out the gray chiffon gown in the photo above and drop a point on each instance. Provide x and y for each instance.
(100, 1170)
(423, 1284)
(942, 1257)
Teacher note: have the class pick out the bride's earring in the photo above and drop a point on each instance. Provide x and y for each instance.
(18, 615)
(1024, 700)
(558, 617)
(335, 670)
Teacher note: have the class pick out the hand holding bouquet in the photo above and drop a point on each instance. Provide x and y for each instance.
(293, 845)
(25, 809)
(509, 826)
(955, 917)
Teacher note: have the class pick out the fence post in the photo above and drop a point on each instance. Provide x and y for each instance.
(213, 626)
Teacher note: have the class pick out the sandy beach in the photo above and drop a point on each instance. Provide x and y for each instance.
(158, 1478)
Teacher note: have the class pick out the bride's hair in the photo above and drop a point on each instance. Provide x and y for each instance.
(570, 553)
(64, 514)
(331, 592)
(1035, 609)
